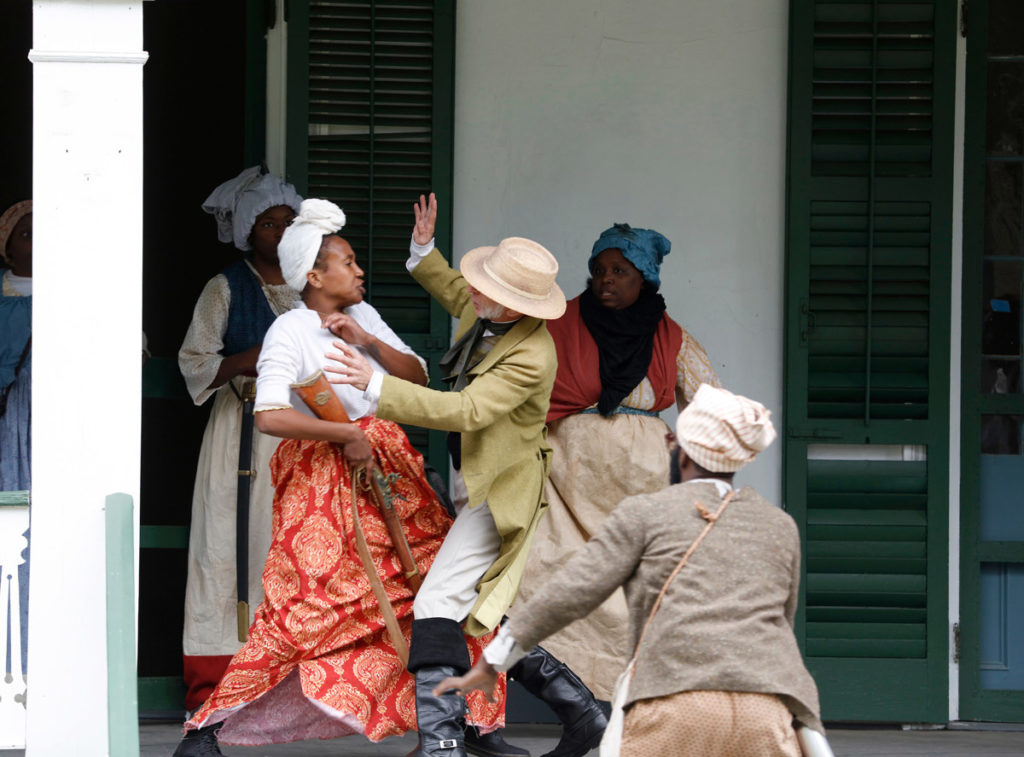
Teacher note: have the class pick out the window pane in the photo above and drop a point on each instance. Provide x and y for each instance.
(1003, 208)
(1005, 107)
(1000, 435)
(1000, 326)
(1005, 24)
(1000, 376)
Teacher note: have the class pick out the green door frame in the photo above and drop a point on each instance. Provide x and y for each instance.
(861, 686)
(977, 703)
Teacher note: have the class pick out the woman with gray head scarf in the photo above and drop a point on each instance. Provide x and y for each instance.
(218, 359)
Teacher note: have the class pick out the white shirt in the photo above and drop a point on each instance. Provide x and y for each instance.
(23, 284)
(295, 347)
(416, 254)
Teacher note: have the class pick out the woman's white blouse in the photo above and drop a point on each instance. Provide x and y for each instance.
(295, 347)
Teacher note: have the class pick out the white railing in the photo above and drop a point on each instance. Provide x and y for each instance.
(13, 682)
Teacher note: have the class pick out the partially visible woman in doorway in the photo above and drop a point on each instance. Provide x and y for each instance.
(16, 374)
(15, 348)
(218, 360)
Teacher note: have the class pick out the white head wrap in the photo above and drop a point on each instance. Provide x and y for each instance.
(237, 202)
(301, 241)
(722, 431)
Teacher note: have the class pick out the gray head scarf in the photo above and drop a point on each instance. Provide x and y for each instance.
(237, 202)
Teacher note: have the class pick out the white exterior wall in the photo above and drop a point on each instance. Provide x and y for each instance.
(86, 349)
(667, 114)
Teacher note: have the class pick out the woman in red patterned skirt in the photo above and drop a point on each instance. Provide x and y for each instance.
(318, 662)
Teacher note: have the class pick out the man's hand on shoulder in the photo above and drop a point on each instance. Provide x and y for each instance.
(347, 366)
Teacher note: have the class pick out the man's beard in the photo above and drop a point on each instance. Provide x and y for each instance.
(491, 312)
(675, 475)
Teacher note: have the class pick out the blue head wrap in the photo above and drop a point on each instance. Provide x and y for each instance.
(644, 248)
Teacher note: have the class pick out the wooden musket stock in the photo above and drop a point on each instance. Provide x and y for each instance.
(319, 397)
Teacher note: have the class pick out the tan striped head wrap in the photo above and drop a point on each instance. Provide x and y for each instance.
(722, 431)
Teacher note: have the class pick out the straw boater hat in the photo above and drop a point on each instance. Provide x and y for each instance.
(722, 431)
(519, 274)
(8, 220)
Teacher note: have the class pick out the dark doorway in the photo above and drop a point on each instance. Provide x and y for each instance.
(194, 124)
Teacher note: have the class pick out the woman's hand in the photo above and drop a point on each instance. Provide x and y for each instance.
(247, 360)
(426, 217)
(358, 451)
(240, 364)
(481, 677)
(289, 423)
(349, 367)
(345, 327)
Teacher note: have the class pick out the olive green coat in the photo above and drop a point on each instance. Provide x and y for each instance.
(505, 455)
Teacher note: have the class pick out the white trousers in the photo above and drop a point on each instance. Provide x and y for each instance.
(470, 548)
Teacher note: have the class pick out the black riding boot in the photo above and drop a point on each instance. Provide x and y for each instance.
(551, 681)
(438, 650)
(201, 742)
(439, 720)
(491, 744)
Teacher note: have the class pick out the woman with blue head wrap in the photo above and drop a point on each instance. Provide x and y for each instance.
(644, 248)
(621, 360)
(218, 360)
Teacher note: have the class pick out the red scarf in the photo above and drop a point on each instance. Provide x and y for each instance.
(578, 383)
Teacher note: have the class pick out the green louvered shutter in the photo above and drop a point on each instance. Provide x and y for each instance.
(867, 349)
(370, 111)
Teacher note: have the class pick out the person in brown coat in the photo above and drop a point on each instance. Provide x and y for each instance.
(719, 671)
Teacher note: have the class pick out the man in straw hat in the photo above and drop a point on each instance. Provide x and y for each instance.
(717, 670)
(500, 369)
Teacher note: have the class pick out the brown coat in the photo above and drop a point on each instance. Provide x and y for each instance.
(726, 623)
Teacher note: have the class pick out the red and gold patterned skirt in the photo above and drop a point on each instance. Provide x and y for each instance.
(318, 662)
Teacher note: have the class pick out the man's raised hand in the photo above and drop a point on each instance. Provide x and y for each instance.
(426, 217)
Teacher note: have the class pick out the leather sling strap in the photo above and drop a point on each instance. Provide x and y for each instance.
(711, 518)
(376, 585)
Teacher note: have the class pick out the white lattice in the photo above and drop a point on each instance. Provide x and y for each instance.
(13, 683)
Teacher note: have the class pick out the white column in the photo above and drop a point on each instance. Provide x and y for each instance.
(277, 93)
(87, 328)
